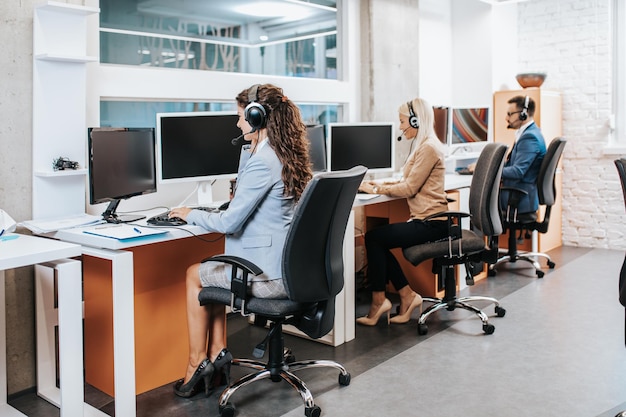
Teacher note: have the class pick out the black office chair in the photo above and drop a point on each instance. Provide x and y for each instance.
(621, 169)
(466, 246)
(525, 223)
(313, 276)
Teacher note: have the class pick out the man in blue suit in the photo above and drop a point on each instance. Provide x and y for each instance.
(522, 166)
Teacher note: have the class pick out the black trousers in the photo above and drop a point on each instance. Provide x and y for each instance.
(382, 266)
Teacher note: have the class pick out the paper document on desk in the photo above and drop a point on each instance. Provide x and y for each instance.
(52, 225)
(365, 197)
(123, 231)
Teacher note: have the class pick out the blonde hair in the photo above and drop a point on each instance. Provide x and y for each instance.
(425, 115)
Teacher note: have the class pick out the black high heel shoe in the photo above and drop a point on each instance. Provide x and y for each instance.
(199, 380)
(222, 366)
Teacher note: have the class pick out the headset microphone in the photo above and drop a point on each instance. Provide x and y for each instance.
(235, 141)
(402, 134)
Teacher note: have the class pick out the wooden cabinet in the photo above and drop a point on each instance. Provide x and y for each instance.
(548, 116)
(59, 107)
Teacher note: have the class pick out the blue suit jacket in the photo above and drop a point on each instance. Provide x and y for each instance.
(258, 217)
(522, 167)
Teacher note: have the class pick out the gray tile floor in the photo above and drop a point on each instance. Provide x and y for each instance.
(558, 351)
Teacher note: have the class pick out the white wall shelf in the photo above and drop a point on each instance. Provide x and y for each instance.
(63, 173)
(60, 59)
(66, 58)
(67, 8)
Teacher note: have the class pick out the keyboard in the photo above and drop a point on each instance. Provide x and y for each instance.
(163, 220)
(207, 209)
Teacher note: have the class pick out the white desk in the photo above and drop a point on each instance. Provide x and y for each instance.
(123, 281)
(21, 250)
(124, 290)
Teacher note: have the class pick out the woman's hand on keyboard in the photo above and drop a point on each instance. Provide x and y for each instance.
(181, 212)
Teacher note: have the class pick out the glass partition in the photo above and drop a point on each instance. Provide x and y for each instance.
(143, 113)
(275, 37)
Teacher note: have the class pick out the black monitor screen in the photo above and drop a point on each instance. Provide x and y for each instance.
(121, 163)
(469, 125)
(441, 123)
(197, 146)
(317, 147)
(368, 144)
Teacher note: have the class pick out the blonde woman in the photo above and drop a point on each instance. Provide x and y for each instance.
(422, 185)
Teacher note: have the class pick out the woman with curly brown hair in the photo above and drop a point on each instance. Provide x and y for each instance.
(274, 170)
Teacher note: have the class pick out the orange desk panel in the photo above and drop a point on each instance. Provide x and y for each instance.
(161, 345)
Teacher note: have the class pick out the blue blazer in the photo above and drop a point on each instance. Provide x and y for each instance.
(522, 168)
(258, 217)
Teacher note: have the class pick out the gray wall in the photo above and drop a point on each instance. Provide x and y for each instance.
(16, 62)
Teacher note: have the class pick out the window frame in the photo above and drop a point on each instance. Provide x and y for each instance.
(617, 135)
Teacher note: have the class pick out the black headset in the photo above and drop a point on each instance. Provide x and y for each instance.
(414, 121)
(255, 113)
(523, 115)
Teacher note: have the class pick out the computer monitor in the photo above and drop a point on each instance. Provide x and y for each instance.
(317, 147)
(442, 119)
(121, 165)
(469, 125)
(197, 147)
(369, 144)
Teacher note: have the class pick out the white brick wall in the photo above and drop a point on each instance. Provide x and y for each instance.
(570, 40)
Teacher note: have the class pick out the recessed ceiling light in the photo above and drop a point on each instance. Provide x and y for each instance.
(273, 9)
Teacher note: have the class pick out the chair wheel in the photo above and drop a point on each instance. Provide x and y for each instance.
(344, 379)
(491, 272)
(500, 312)
(489, 328)
(551, 264)
(540, 274)
(422, 329)
(314, 411)
(228, 410)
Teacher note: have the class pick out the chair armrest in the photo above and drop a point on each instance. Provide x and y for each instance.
(453, 219)
(237, 262)
(515, 195)
(238, 282)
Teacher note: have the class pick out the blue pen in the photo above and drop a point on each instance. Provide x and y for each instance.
(136, 230)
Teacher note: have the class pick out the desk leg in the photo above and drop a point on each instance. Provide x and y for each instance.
(349, 287)
(68, 317)
(123, 328)
(5, 409)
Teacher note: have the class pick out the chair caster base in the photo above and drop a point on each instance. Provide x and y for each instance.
(314, 411)
(551, 264)
(422, 329)
(500, 312)
(344, 380)
(228, 410)
(489, 328)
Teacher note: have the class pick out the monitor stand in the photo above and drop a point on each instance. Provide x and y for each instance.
(110, 216)
(204, 193)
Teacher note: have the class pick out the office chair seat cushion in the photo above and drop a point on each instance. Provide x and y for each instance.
(470, 243)
(271, 308)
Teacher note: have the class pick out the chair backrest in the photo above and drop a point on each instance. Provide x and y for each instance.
(313, 253)
(621, 170)
(547, 171)
(485, 189)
